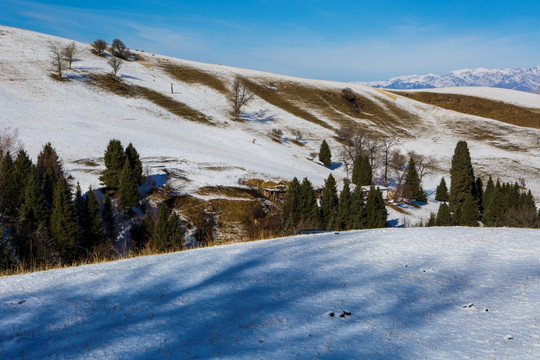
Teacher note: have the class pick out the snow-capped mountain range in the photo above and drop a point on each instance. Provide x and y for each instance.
(515, 79)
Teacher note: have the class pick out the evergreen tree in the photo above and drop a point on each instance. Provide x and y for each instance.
(357, 219)
(329, 203)
(93, 227)
(375, 209)
(468, 212)
(444, 218)
(442, 191)
(33, 210)
(461, 176)
(494, 212)
(22, 166)
(115, 159)
(293, 202)
(161, 236)
(8, 187)
(412, 182)
(107, 218)
(176, 234)
(7, 254)
(478, 194)
(148, 221)
(49, 169)
(362, 173)
(127, 191)
(344, 208)
(64, 227)
(490, 188)
(309, 211)
(325, 156)
(135, 164)
(79, 204)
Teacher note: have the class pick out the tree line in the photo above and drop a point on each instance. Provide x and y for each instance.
(468, 203)
(44, 222)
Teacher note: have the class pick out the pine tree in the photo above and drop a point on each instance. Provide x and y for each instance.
(22, 166)
(375, 209)
(33, 210)
(478, 194)
(461, 176)
(175, 232)
(107, 218)
(93, 227)
(115, 159)
(293, 202)
(309, 211)
(64, 227)
(49, 169)
(135, 164)
(325, 156)
(362, 174)
(444, 218)
(148, 222)
(79, 204)
(412, 182)
(329, 203)
(8, 187)
(161, 238)
(468, 212)
(442, 191)
(127, 191)
(494, 212)
(357, 219)
(344, 208)
(490, 188)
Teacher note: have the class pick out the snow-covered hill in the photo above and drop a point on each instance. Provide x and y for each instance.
(190, 131)
(516, 79)
(436, 293)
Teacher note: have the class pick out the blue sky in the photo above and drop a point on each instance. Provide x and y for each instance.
(334, 40)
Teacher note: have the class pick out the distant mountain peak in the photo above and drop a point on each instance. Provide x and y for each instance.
(515, 79)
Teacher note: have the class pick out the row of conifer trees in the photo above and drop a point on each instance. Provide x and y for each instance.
(344, 212)
(467, 203)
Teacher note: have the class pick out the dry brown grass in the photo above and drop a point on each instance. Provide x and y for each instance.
(491, 109)
(264, 184)
(193, 75)
(119, 87)
(229, 191)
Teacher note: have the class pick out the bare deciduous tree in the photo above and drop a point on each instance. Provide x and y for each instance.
(99, 46)
(57, 60)
(9, 141)
(354, 144)
(424, 163)
(387, 144)
(240, 97)
(398, 164)
(69, 52)
(115, 63)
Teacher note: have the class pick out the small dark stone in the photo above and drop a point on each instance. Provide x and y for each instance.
(347, 313)
(342, 315)
(406, 265)
(331, 314)
(487, 310)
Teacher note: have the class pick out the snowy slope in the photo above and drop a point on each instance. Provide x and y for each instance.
(516, 79)
(433, 293)
(79, 119)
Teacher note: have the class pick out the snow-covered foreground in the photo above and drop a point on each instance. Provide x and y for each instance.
(449, 293)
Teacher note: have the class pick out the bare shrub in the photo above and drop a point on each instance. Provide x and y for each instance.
(350, 97)
(354, 144)
(387, 144)
(240, 97)
(297, 134)
(276, 133)
(99, 46)
(69, 52)
(424, 164)
(119, 49)
(115, 63)
(57, 60)
(398, 165)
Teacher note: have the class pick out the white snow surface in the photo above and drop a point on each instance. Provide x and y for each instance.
(434, 293)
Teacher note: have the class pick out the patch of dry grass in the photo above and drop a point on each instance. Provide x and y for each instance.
(117, 86)
(229, 191)
(192, 75)
(491, 109)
